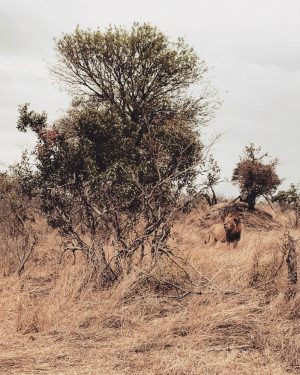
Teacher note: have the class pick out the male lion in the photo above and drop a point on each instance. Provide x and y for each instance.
(229, 231)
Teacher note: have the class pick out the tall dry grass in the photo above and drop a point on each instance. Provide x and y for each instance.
(240, 318)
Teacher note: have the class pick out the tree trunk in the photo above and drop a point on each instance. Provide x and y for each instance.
(106, 272)
(214, 199)
(251, 200)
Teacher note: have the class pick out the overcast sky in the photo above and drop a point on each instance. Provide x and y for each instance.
(252, 49)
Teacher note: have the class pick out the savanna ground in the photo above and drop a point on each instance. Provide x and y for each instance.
(244, 319)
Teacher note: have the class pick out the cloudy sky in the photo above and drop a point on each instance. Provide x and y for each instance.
(252, 49)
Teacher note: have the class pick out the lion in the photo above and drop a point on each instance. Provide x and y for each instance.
(229, 231)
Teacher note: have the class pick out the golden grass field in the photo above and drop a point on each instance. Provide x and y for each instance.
(244, 321)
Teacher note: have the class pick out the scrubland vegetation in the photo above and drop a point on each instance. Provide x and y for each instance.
(242, 319)
(104, 266)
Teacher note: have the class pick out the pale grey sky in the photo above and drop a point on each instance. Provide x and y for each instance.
(252, 49)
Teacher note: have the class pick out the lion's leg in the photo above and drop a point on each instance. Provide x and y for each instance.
(207, 240)
(214, 241)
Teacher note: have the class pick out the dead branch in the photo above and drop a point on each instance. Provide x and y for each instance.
(26, 256)
(269, 203)
(72, 249)
(291, 260)
(289, 249)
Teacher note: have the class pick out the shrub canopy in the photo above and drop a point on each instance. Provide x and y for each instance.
(130, 143)
(255, 177)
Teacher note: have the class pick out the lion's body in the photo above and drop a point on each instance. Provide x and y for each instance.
(229, 231)
(216, 233)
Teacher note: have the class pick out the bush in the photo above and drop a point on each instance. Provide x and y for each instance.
(112, 171)
(289, 199)
(254, 177)
(17, 218)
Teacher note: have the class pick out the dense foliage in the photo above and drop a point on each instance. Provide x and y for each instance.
(112, 171)
(289, 199)
(254, 177)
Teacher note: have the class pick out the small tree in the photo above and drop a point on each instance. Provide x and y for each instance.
(289, 199)
(254, 177)
(111, 172)
(212, 172)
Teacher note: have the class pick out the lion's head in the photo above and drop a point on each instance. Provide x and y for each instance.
(232, 226)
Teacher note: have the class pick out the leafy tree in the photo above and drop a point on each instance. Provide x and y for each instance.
(138, 75)
(111, 172)
(254, 177)
(212, 178)
(289, 199)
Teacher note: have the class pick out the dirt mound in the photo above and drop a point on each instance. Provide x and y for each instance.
(258, 219)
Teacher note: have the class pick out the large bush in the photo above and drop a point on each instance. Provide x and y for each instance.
(111, 172)
(255, 176)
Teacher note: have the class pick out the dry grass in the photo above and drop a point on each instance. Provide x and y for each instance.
(243, 322)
